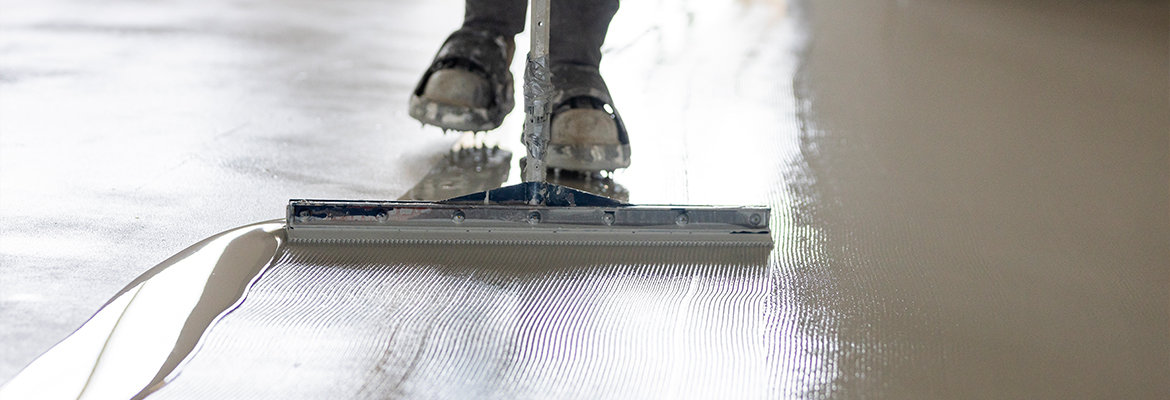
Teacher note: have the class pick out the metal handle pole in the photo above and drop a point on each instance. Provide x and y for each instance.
(538, 91)
(540, 16)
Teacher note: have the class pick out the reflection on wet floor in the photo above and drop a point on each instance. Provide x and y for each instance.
(593, 182)
(471, 166)
(474, 165)
(596, 182)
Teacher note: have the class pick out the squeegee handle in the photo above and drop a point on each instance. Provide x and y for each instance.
(540, 16)
(538, 93)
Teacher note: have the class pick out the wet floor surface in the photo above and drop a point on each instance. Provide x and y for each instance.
(969, 200)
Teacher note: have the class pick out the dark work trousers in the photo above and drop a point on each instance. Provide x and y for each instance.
(575, 36)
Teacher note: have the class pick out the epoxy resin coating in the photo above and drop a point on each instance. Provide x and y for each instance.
(142, 334)
(432, 321)
(970, 200)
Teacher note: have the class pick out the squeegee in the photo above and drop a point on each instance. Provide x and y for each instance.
(534, 211)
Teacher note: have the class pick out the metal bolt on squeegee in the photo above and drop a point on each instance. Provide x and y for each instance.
(755, 219)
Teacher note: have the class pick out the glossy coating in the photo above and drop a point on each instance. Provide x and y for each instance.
(139, 338)
(492, 322)
(970, 199)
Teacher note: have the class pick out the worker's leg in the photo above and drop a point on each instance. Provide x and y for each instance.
(587, 132)
(502, 17)
(578, 30)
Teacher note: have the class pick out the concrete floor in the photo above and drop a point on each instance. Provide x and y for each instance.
(971, 199)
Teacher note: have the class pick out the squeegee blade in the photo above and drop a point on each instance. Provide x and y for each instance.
(480, 217)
